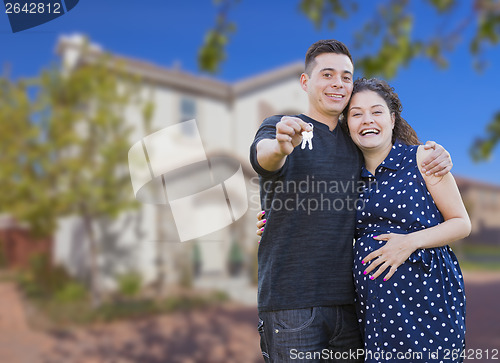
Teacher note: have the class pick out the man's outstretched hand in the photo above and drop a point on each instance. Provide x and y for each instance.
(289, 133)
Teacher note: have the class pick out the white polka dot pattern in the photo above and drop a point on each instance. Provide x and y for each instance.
(422, 307)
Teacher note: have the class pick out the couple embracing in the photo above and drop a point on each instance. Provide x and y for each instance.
(373, 283)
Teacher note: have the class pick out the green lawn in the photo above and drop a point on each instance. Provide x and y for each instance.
(479, 257)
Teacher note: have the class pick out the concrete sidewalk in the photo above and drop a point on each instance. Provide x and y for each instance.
(18, 343)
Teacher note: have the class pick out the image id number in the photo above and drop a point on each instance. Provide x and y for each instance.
(478, 354)
(33, 8)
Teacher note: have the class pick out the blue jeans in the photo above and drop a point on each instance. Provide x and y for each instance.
(317, 334)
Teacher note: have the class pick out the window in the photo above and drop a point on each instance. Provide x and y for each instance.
(188, 112)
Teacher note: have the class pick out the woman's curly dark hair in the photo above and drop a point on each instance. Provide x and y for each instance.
(402, 130)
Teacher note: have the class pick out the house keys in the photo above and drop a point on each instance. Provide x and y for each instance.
(307, 137)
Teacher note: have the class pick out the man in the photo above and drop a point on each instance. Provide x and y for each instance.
(309, 195)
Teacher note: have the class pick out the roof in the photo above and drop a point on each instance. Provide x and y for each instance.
(175, 78)
(466, 183)
(9, 222)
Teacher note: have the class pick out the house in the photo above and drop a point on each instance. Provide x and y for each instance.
(482, 201)
(227, 116)
(17, 245)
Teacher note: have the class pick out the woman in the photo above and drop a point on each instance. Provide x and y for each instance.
(411, 301)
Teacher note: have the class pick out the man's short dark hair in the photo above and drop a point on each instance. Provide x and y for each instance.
(324, 46)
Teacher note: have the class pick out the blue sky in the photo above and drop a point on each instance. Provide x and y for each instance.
(449, 106)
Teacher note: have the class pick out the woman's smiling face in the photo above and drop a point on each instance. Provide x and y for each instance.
(370, 121)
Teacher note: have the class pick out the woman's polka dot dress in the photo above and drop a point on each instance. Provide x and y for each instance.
(420, 310)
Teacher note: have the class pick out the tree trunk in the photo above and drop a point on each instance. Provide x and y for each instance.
(95, 291)
(160, 259)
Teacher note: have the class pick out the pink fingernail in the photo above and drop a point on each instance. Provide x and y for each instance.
(262, 229)
(385, 279)
(364, 273)
(264, 220)
(363, 262)
(263, 212)
(371, 277)
(259, 242)
(375, 236)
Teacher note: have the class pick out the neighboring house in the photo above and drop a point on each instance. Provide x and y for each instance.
(17, 245)
(482, 201)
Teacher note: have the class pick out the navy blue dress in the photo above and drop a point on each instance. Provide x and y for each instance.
(420, 310)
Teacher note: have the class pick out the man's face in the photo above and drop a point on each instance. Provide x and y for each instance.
(329, 85)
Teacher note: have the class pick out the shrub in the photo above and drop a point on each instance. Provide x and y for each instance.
(71, 292)
(129, 284)
(41, 279)
(3, 258)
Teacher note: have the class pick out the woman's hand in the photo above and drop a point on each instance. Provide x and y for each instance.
(260, 223)
(392, 255)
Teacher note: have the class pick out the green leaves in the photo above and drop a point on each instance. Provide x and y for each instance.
(388, 40)
(487, 32)
(19, 159)
(327, 11)
(212, 53)
(483, 147)
(443, 5)
(65, 145)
